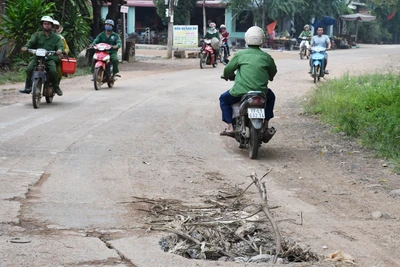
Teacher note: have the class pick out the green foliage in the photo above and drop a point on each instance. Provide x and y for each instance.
(373, 32)
(182, 12)
(364, 107)
(75, 18)
(21, 20)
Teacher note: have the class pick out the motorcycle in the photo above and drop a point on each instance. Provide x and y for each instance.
(317, 62)
(41, 85)
(103, 68)
(303, 48)
(223, 55)
(207, 56)
(248, 121)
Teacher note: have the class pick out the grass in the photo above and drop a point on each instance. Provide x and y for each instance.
(365, 107)
(19, 76)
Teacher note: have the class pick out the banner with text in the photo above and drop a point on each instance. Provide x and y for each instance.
(185, 36)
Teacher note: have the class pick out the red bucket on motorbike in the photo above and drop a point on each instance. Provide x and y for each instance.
(68, 65)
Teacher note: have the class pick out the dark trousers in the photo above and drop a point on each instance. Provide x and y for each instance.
(226, 100)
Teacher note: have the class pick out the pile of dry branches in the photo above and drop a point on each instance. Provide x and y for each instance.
(226, 227)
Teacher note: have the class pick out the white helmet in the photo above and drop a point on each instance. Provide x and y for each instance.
(56, 23)
(46, 18)
(222, 26)
(254, 36)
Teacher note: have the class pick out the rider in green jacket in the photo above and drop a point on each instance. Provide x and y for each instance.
(254, 68)
(48, 40)
(111, 38)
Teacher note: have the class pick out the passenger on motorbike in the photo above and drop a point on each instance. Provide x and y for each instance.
(254, 68)
(48, 40)
(111, 38)
(321, 40)
(58, 29)
(307, 34)
(211, 33)
(224, 38)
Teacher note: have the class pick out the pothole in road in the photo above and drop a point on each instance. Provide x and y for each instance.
(228, 226)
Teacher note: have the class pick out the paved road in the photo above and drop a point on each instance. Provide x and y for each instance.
(69, 170)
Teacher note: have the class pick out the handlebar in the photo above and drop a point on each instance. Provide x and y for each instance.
(42, 52)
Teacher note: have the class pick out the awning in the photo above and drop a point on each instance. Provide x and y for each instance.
(358, 16)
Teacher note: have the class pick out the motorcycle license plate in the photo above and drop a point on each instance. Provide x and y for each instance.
(256, 113)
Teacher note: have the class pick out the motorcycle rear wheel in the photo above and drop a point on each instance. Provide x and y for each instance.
(111, 83)
(49, 99)
(202, 61)
(254, 142)
(36, 92)
(98, 78)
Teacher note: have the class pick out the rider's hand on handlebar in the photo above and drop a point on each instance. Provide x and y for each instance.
(59, 52)
(115, 47)
(24, 49)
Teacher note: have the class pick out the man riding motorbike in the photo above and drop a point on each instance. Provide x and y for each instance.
(48, 40)
(111, 38)
(211, 33)
(254, 68)
(225, 37)
(307, 34)
(321, 40)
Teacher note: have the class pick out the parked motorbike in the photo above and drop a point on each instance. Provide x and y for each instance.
(103, 68)
(248, 121)
(317, 62)
(207, 56)
(41, 85)
(303, 48)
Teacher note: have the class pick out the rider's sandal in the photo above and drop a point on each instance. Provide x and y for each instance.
(225, 133)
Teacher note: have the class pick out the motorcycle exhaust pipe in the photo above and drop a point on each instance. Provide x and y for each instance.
(269, 134)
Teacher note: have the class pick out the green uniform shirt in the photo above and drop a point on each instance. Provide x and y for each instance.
(40, 40)
(306, 34)
(112, 40)
(212, 35)
(254, 69)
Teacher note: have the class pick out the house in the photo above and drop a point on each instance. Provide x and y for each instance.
(142, 14)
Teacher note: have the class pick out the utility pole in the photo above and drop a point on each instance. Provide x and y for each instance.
(204, 18)
(170, 28)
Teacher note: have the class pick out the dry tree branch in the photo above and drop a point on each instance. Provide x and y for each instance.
(263, 193)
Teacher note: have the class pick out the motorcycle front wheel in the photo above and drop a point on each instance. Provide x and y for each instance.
(98, 78)
(36, 92)
(315, 73)
(302, 52)
(254, 142)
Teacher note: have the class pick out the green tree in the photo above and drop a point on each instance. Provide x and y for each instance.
(20, 20)
(182, 12)
(263, 9)
(75, 17)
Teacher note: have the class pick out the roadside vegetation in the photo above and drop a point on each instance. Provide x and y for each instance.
(366, 107)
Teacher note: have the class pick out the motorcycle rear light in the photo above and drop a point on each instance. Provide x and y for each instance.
(256, 100)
